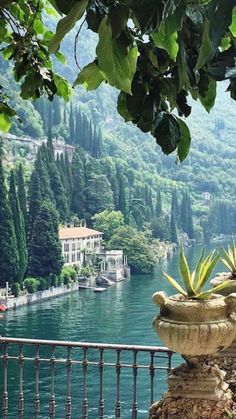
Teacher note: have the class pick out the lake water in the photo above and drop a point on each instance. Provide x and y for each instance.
(122, 314)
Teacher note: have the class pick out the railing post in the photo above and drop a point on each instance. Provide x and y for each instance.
(101, 401)
(152, 374)
(52, 395)
(36, 393)
(118, 370)
(135, 372)
(5, 379)
(21, 394)
(68, 373)
(85, 371)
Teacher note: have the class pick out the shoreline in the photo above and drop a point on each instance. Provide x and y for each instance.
(12, 303)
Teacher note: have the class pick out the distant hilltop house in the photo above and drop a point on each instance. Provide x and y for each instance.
(81, 244)
(206, 197)
(33, 144)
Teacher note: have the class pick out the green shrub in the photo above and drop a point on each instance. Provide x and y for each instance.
(31, 284)
(42, 285)
(87, 271)
(48, 282)
(66, 278)
(54, 281)
(59, 280)
(15, 289)
(68, 273)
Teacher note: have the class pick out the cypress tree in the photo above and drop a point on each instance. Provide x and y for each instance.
(186, 217)
(122, 205)
(68, 173)
(64, 115)
(184, 213)
(45, 257)
(77, 127)
(173, 217)
(50, 115)
(34, 202)
(99, 144)
(72, 125)
(175, 204)
(158, 207)
(9, 258)
(56, 111)
(22, 193)
(78, 203)
(19, 225)
(55, 182)
(190, 218)
(40, 165)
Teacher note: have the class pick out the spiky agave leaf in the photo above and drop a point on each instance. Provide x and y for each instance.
(196, 274)
(206, 294)
(227, 260)
(175, 284)
(185, 273)
(207, 265)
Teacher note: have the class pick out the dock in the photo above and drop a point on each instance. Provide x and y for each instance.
(95, 289)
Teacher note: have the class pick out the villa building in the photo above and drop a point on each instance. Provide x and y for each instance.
(81, 244)
(77, 241)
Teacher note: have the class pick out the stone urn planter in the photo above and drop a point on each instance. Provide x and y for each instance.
(195, 327)
(197, 324)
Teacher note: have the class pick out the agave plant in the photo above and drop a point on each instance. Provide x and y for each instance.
(229, 259)
(195, 281)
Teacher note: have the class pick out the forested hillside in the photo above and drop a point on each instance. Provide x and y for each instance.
(131, 161)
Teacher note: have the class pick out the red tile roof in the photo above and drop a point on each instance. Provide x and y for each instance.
(77, 232)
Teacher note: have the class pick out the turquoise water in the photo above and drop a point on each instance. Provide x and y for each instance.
(122, 314)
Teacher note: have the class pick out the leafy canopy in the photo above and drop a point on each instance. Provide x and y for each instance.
(156, 53)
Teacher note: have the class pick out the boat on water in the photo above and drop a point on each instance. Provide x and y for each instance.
(99, 289)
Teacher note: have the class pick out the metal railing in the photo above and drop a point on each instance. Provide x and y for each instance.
(71, 380)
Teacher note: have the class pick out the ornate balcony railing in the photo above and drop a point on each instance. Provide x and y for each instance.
(56, 379)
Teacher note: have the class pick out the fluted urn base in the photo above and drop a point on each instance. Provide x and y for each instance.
(196, 390)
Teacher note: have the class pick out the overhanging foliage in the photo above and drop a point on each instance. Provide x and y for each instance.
(156, 53)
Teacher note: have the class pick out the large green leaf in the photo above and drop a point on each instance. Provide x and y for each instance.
(167, 36)
(122, 107)
(64, 6)
(233, 24)
(206, 46)
(118, 18)
(185, 140)
(208, 100)
(219, 13)
(147, 13)
(116, 62)
(66, 24)
(167, 132)
(90, 76)
(163, 39)
(5, 122)
(63, 87)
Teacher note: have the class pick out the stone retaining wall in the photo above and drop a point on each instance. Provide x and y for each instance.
(14, 302)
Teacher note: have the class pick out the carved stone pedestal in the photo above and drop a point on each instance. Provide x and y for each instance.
(196, 390)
